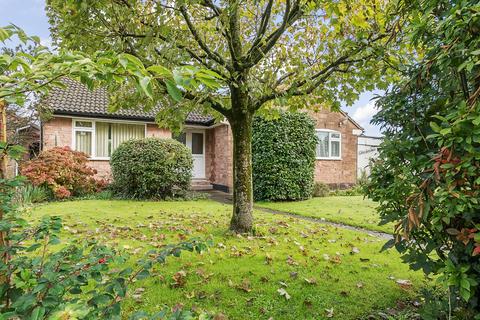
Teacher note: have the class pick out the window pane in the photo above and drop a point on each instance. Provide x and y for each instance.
(335, 135)
(83, 124)
(322, 146)
(121, 132)
(182, 138)
(102, 139)
(197, 143)
(83, 142)
(335, 149)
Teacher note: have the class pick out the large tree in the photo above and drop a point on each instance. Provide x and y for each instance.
(293, 53)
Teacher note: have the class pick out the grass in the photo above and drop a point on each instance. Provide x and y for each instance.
(240, 276)
(351, 210)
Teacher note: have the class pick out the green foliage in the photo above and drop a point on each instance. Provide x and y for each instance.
(29, 194)
(321, 189)
(76, 280)
(38, 71)
(283, 157)
(151, 168)
(353, 191)
(39, 281)
(362, 180)
(427, 178)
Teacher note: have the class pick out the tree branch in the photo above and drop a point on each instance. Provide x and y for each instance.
(212, 55)
(263, 24)
(257, 52)
(319, 77)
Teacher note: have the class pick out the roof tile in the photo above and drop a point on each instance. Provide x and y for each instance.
(77, 99)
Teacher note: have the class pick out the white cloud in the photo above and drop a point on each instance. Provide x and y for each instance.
(364, 114)
(47, 42)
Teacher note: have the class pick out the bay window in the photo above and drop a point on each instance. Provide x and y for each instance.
(98, 139)
(329, 144)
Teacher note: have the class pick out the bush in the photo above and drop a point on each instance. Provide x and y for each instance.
(41, 280)
(320, 189)
(353, 191)
(151, 168)
(427, 177)
(63, 172)
(283, 153)
(29, 194)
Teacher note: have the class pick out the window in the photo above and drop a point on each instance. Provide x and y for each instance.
(99, 139)
(329, 144)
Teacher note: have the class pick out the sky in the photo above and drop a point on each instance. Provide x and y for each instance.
(30, 16)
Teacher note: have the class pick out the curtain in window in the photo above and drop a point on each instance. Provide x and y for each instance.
(102, 139)
(83, 142)
(335, 149)
(322, 146)
(122, 132)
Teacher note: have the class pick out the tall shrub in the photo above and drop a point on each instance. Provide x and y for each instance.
(151, 168)
(427, 178)
(62, 171)
(283, 157)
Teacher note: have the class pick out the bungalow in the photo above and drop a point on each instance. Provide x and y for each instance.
(80, 120)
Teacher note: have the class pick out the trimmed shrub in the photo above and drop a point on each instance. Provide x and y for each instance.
(63, 172)
(320, 189)
(283, 157)
(151, 168)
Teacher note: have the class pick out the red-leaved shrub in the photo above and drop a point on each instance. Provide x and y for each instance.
(63, 171)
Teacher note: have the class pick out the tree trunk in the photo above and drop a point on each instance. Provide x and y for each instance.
(3, 173)
(242, 219)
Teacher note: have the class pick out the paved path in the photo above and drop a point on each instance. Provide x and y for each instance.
(226, 198)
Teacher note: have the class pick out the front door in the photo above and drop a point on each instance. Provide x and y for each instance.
(195, 141)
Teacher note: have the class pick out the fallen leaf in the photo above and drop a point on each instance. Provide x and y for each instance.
(359, 285)
(268, 259)
(284, 293)
(179, 278)
(291, 261)
(405, 284)
(355, 250)
(308, 303)
(312, 281)
(329, 313)
(244, 286)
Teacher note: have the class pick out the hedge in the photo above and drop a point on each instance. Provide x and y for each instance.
(151, 168)
(283, 157)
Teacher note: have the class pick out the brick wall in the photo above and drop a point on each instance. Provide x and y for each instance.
(57, 132)
(154, 131)
(219, 156)
(337, 173)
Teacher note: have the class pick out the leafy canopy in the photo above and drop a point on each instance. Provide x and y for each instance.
(293, 52)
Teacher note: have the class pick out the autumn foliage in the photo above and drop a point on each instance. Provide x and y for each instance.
(62, 171)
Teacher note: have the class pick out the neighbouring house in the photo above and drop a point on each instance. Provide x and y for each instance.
(21, 130)
(80, 120)
(367, 151)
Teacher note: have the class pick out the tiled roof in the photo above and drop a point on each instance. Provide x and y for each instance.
(76, 99)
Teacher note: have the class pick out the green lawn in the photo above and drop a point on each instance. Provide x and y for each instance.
(351, 210)
(240, 276)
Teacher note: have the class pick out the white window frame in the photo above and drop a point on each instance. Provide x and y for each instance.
(330, 140)
(75, 129)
